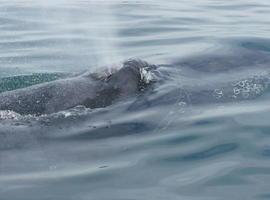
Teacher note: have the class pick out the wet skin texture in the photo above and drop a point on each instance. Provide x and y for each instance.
(86, 90)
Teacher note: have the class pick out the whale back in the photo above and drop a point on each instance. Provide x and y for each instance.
(81, 90)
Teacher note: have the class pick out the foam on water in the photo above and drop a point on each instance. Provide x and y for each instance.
(7, 114)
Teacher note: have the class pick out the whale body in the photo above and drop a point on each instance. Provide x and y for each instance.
(205, 79)
(212, 78)
(86, 90)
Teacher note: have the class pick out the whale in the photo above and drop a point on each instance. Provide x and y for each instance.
(200, 80)
(91, 90)
(214, 78)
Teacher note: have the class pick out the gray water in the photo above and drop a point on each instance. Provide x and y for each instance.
(200, 132)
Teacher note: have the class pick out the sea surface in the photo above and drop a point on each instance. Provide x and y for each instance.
(201, 131)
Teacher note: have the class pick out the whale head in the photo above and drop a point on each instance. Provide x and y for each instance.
(128, 81)
(130, 78)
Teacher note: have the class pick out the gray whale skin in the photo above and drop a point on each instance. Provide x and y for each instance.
(87, 90)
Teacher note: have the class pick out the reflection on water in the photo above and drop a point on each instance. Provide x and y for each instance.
(200, 132)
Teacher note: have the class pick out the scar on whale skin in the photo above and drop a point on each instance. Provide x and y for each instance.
(88, 90)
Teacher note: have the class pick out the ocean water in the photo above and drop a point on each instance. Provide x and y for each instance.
(200, 131)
